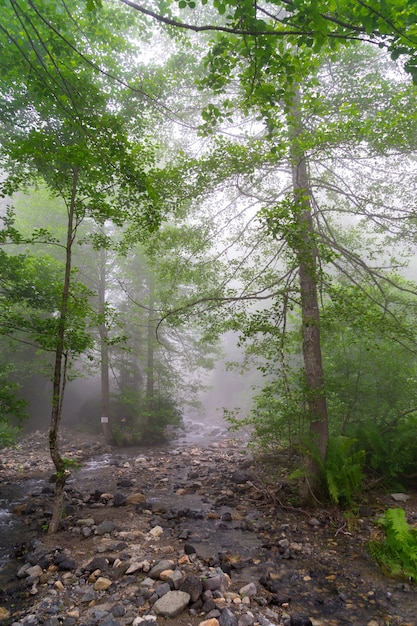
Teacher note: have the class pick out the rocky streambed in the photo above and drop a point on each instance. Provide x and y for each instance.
(199, 535)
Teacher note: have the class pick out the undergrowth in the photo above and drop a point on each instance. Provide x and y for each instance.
(396, 553)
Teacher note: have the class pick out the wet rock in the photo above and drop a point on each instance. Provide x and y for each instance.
(172, 604)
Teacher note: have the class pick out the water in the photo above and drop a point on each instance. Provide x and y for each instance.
(13, 529)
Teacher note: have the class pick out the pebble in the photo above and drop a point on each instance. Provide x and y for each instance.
(104, 582)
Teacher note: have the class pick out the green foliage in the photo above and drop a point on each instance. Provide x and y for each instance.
(396, 553)
(8, 434)
(390, 452)
(12, 409)
(143, 424)
(343, 470)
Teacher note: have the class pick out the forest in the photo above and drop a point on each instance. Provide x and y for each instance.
(177, 177)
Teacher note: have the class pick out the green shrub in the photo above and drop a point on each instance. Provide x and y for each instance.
(396, 553)
(342, 472)
(145, 423)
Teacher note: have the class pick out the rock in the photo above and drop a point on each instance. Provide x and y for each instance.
(172, 603)
(189, 549)
(119, 499)
(146, 620)
(193, 586)
(173, 577)
(88, 595)
(158, 568)
(400, 497)
(136, 498)
(34, 571)
(246, 620)
(162, 590)
(156, 532)
(248, 590)
(215, 582)
(88, 521)
(4, 613)
(118, 610)
(134, 567)
(97, 563)
(105, 527)
(300, 620)
(227, 618)
(67, 564)
(102, 584)
(209, 622)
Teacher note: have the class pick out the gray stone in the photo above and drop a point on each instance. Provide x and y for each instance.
(400, 497)
(119, 499)
(109, 621)
(161, 566)
(172, 603)
(247, 619)
(248, 590)
(216, 582)
(193, 586)
(227, 618)
(162, 589)
(105, 527)
(98, 562)
(88, 596)
(118, 610)
(87, 521)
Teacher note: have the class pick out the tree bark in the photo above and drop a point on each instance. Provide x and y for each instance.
(150, 357)
(310, 314)
(60, 371)
(104, 353)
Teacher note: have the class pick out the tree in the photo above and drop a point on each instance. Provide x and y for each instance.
(303, 24)
(308, 135)
(63, 133)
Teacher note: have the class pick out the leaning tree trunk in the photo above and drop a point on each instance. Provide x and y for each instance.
(60, 372)
(310, 315)
(104, 353)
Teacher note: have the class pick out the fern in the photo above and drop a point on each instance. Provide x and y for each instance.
(397, 552)
(343, 470)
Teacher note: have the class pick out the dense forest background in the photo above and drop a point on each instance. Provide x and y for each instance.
(187, 186)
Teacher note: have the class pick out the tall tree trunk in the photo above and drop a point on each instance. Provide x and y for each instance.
(60, 371)
(150, 356)
(104, 352)
(310, 314)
